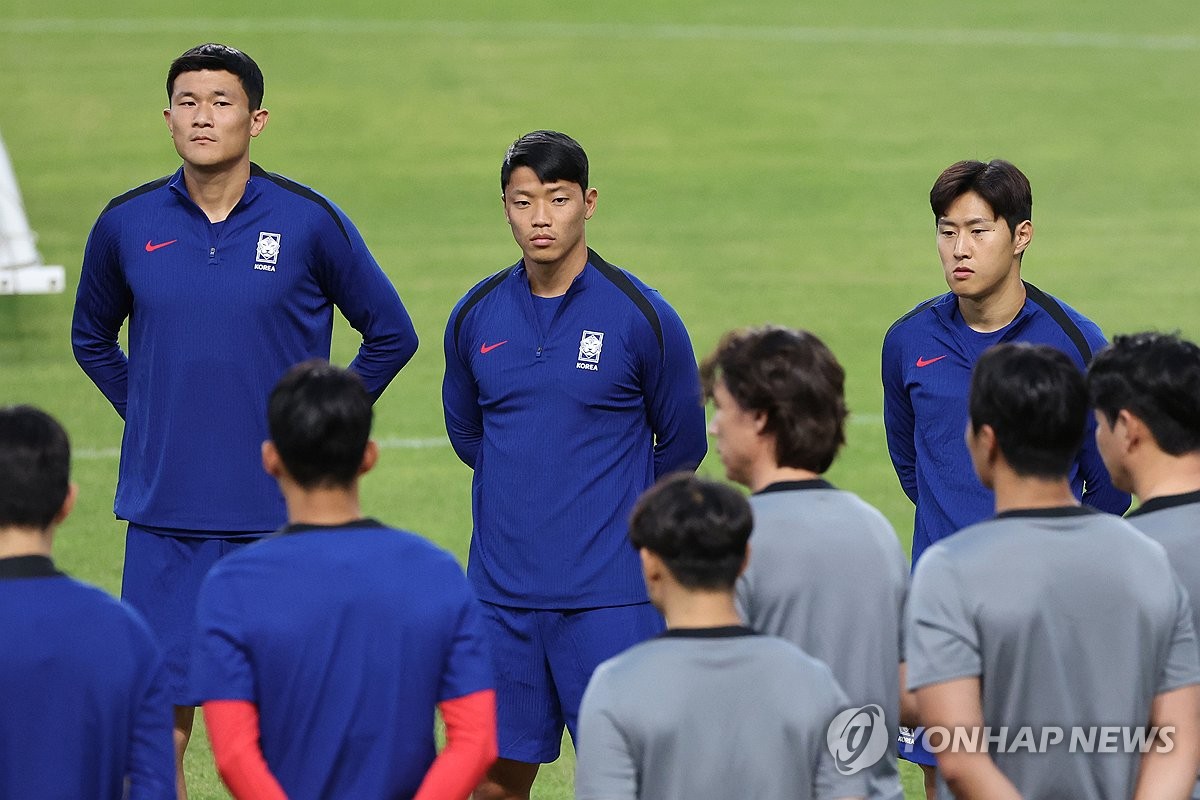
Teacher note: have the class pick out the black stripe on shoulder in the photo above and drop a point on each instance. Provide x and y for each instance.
(302, 190)
(915, 311)
(1051, 307)
(622, 282)
(480, 292)
(132, 193)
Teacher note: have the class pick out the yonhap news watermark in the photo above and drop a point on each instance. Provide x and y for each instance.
(858, 737)
(1050, 738)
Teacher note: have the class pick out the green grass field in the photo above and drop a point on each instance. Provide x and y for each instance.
(757, 162)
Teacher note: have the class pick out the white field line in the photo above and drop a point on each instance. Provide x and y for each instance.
(612, 30)
(396, 443)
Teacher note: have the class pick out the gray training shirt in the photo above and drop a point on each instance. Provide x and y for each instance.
(828, 574)
(1174, 522)
(1069, 618)
(710, 712)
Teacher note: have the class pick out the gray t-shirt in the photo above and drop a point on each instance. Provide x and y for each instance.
(1069, 618)
(828, 574)
(1174, 522)
(711, 712)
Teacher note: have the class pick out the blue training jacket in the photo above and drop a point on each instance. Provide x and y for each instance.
(217, 313)
(564, 428)
(928, 355)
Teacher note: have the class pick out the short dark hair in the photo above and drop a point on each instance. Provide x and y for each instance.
(999, 182)
(35, 467)
(1035, 399)
(218, 58)
(1156, 376)
(792, 377)
(552, 156)
(698, 527)
(319, 417)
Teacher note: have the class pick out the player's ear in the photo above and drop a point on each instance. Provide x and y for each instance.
(745, 561)
(67, 505)
(1022, 236)
(258, 121)
(1130, 430)
(370, 458)
(271, 461)
(589, 202)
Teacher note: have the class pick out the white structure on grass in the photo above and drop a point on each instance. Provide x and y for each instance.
(21, 267)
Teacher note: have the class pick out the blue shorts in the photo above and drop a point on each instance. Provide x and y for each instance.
(162, 581)
(909, 747)
(544, 660)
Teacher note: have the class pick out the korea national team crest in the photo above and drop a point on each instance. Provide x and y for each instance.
(268, 251)
(590, 346)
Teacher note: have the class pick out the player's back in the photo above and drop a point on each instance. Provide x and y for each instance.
(349, 636)
(717, 712)
(827, 573)
(1075, 614)
(80, 680)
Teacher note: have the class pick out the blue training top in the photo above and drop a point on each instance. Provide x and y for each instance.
(928, 355)
(346, 638)
(565, 425)
(83, 699)
(217, 314)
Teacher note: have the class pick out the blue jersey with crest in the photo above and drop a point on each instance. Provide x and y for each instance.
(217, 313)
(928, 355)
(566, 417)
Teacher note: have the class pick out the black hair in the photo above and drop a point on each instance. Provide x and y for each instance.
(698, 527)
(552, 156)
(1004, 187)
(795, 380)
(319, 417)
(1035, 399)
(218, 58)
(35, 467)
(1156, 377)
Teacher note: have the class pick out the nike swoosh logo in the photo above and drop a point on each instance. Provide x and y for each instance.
(921, 362)
(487, 348)
(151, 247)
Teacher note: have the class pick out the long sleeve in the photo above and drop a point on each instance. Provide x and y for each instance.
(361, 290)
(151, 767)
(460, 401)
(470, 747)
(234, 732)
(102, 303)
(899, 419)
(674, 400)
(1098, 491)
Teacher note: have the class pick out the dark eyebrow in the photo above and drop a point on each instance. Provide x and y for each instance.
(968, 223)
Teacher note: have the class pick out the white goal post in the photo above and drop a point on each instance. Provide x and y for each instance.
(21, 267)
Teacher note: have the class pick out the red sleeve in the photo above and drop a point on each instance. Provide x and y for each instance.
(470, 747)
(234, 733)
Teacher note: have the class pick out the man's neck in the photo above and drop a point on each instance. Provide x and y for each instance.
(689, 608)
(18, 541)
(1021, 492)
(553, 279)
(1166, 475)
(769, 473)
(995, 310)
(322, 506)
(217, 191)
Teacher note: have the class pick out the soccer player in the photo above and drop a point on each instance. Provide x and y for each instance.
(1146, 392)
(983, 220)
(823, 563)
(570, 386)
(1050, 616)
(321, 652)
(709, 708)
(83, 706)
(227, 275)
